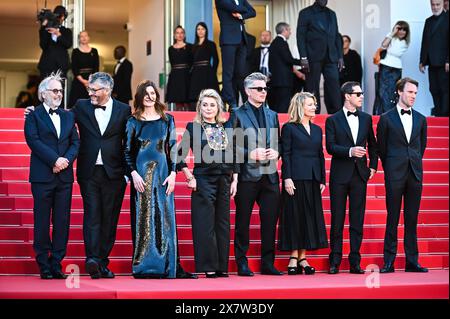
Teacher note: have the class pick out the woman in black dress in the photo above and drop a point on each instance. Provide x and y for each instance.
(213, 182)
(352, 71)
(180, 57)
(302, 224)
(205, 63)
(85, 62)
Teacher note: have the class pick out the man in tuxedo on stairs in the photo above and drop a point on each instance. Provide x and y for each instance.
(349, 137)
(402, 140)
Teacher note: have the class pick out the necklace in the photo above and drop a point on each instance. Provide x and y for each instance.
(216, 136)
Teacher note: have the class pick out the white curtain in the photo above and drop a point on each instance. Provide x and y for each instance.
(287, 11)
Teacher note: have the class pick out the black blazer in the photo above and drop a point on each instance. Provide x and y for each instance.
(247, 139)
(281, 63)
(54, 54)
(122, 82)
(396, 153)
(314, 39)
(434, 50)
(112, 142)
(230, 27)
(302, 153)
(339, 140)
(46, 147)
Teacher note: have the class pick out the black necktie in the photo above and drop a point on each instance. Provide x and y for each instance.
(100, 107)
(52, 111)
(402, 112)
(354, 113)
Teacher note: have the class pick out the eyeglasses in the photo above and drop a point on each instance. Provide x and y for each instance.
(56, 91)
(91, 90)
(259, 88)
(358, 94)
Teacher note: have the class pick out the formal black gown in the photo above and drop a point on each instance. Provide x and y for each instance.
(352, 70)
(204, 69)
(302, 224)
(179, 77)
(151, 151)
(83, 64)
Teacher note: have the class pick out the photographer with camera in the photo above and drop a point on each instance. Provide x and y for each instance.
(54, 40)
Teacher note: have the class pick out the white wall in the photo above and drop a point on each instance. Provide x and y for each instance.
(147, 20)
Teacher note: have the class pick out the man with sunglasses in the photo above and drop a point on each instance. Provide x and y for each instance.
(51, 134)
(349, 137)
(257, 132)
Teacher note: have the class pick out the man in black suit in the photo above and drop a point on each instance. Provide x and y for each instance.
(233, 41)
(434, 54)
(281, 64)
(320, 47)
(349, 137)
(53, 139)
(260, 60)
(54, 41)
(402, 140)
(122, 76)
(257, 142)
(239, 82)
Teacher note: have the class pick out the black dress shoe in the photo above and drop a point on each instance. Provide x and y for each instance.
(46, 274)
(58, 274)
(243, 270)
(106, 273)
(293, 270)
(93, 269)
(182, 274)
(387, 268)
(333, 270)
(356, 270)
(211, 275)
(270, 270)
(415, 268)
(307, 269)
(222, 274)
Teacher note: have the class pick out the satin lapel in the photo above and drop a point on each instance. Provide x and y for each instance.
(399, 124)
(361, 129)
(46, 118)
(415, 125)
(341, 117)
(63, 120)
(114, 113)
(90, 110)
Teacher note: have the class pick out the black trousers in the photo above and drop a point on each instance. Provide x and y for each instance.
(439, 90)
(102, 201)
(355, 190)
(210, 215)
(332, 90)
(410, 190)
(51, 199)
(267, 195)
(233, 57)
(280, 98)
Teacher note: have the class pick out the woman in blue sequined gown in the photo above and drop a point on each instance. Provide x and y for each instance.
(151, 157)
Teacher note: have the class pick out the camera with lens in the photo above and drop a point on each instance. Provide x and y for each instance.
(54, 19)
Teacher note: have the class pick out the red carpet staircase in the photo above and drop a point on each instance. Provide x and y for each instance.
(16, 215)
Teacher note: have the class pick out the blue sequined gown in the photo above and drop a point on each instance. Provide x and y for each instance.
(151, 151)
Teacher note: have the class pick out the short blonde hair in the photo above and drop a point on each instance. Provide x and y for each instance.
(211, 94)
(296, 108)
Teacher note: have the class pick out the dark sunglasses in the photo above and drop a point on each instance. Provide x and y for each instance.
(259, 88)
(402, 29)
(358, 94)
(56, 91)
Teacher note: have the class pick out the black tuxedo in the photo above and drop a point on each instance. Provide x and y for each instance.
(52, 193)
(102, 187)
(403, 173)
(434, 53)
(122, 82)
(348, 178)
(239, 81)
(54, 54)
(233, 42)
(318, 39)
(281, 63)
(257, 60)
(258, 182)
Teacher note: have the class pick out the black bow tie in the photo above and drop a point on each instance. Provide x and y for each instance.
(402, 112)
(100, 107)
(52, 111)
(356, 113)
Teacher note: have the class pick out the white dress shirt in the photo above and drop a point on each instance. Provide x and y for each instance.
(56, 120)
(118, 65)
(264, 60)
(407, 122)
(353, 122)
(103, 118)
(394, 53)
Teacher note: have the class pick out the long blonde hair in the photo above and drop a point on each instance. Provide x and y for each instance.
(296, 108)
(211, 94)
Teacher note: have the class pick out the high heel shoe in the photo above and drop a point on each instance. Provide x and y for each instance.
(292, 270)
(308, 269)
